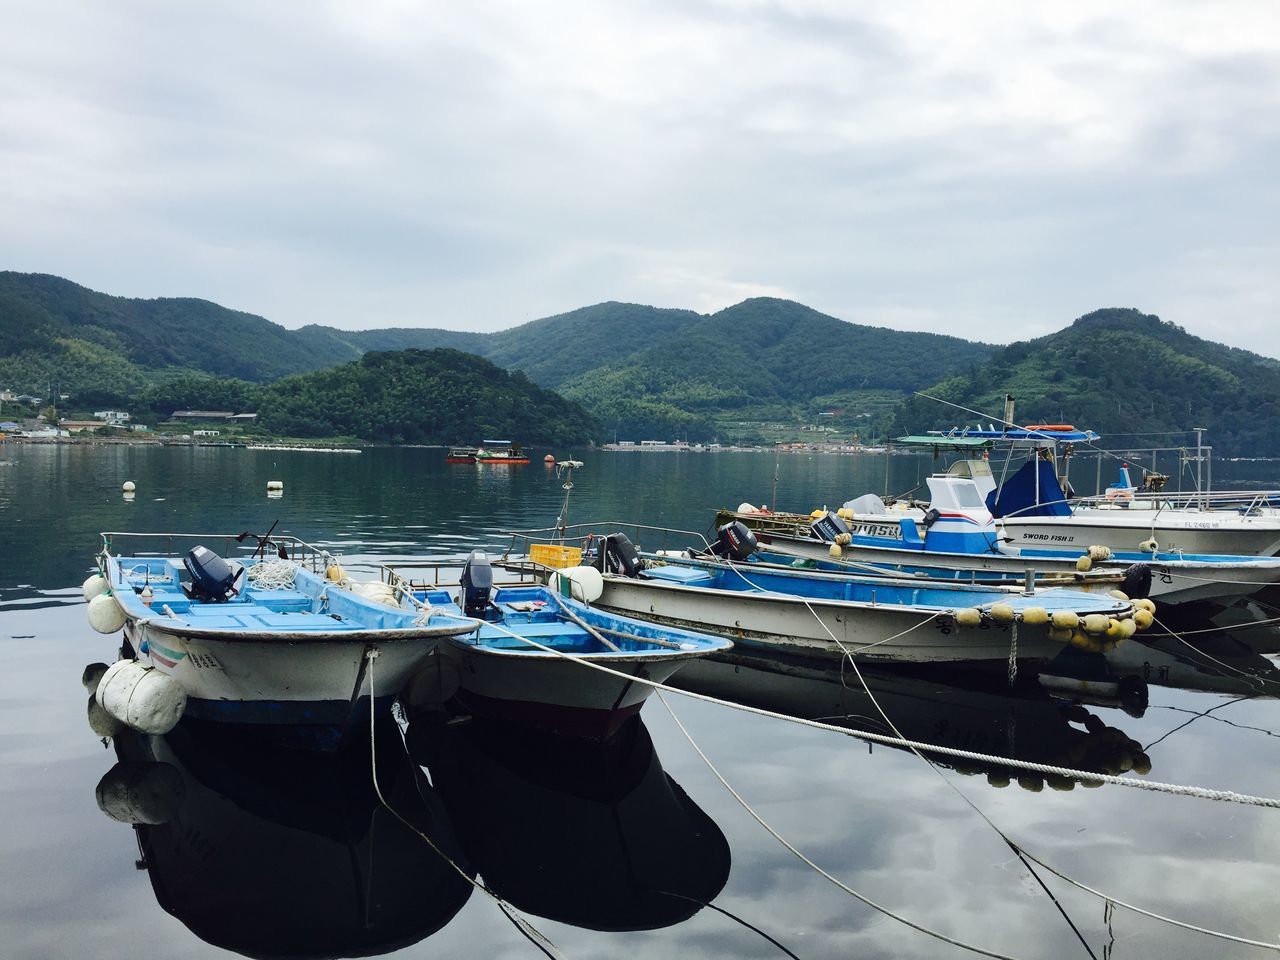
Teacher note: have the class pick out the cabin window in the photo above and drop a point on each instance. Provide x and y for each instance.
(967, 497)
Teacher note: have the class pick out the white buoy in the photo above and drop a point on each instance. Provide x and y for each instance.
(275, 484)
(95, 586)
(92, 676)
(148, 791)
(585, 583)
(141, 697)
(105, 614)
(128, 486)
(102, 723)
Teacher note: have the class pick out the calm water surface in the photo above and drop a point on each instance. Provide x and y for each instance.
(635, 849)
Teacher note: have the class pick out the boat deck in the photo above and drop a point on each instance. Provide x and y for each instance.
(252, 610)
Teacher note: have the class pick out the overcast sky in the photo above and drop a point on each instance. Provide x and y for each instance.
(989, 170)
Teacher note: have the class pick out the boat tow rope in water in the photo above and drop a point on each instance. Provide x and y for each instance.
(917, 746)
(536, 937)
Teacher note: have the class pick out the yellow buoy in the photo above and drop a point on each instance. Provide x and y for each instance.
(835, 551)
(1001, 612)
(335, 573)
(1118, 594)
(1060, 634)
(1142, 618)
(1145, 604)
(1034, 616)
(1099, 552)
(844, 539)
(1096, 623)
(969, 617)
(1084, 564)
(1065, 619)
(1127, 628)
(1149, 546)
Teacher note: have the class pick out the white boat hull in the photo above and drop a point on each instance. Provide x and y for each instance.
(822, 627)
(276, 680)
(554, 691)
(1177, 531)
(1179, 581)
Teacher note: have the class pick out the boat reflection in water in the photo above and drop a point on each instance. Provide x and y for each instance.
(286, 853)
(595, 835)
(968, 711)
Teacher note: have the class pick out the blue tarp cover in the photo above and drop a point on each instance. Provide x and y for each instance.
(1017, 497)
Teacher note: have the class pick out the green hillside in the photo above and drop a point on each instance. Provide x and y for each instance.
(1120, 372)
(763, 359)
(69, 323)
(421, 396)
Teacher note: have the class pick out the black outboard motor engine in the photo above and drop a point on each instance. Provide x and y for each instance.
(826, 528)
(734, 541)
(212, 578)
(1136, 584)
(619, 555)
(476, 583)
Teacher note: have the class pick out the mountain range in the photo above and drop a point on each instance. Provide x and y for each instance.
(644, 371)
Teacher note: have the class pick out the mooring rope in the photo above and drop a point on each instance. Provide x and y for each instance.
(535, 936)
(917, 747)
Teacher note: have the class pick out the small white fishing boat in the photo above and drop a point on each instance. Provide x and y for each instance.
(809, 612)
(255, 641)
(528, 656)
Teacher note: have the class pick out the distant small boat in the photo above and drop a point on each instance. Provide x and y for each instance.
(501, 451)
(498, 674)
(261, 642)
(461, 455)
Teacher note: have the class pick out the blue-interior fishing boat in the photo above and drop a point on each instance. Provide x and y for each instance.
(259, 640)
(529, 655)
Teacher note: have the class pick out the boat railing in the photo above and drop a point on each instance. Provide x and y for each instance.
(1242, 501)
(433, 574)
(235, 546)
(585, 534)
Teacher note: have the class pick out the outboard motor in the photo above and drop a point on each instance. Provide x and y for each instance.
(476, 583)
(619, 555)
(734, 541)
(212, 578)
(1136, 584)
(826, 528)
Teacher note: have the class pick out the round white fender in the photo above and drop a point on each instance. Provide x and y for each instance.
(95, 586)
(102, 723)
(585, 583)
(141, 792)
(92, 676)
(105, 614)
(141, 697)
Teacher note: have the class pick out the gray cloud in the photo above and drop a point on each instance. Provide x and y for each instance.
(978, 170)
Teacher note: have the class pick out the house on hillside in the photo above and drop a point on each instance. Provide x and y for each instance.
(112, 417)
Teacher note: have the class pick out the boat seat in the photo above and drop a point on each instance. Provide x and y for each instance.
(675, 574)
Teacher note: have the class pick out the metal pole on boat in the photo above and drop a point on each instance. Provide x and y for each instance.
(1029, 582)
(1199, 460)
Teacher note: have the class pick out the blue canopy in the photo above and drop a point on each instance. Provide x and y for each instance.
(1017, 496)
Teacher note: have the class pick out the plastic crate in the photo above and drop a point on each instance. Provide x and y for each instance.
(555, 555)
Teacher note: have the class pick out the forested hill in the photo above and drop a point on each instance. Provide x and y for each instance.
(1120, 372)
(64, 327)
(421, 396)
(764, 358)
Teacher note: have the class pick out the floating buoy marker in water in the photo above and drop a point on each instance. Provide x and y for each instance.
(275, 484)
(128, 486)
